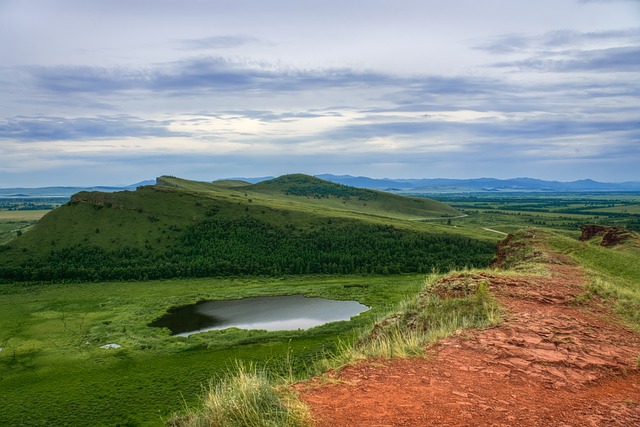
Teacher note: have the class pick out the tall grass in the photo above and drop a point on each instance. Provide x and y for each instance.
(623, 296)
(613, 275)
(421, 320)
(247, 397)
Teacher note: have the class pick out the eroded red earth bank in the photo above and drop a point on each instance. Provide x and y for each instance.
(553, 361)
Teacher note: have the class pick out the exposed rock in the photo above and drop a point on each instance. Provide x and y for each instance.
(518, 249)
(503, 252)
(96, 198)
(611, 236)
(456, 286)
(589, 231)
(112, 345)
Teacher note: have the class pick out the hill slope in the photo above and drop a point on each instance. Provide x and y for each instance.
(317, 192)
(293, 224)
(559, 357)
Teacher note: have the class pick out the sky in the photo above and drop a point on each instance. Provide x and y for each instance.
(114, 92)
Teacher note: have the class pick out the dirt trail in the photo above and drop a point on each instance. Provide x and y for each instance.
(551, 362)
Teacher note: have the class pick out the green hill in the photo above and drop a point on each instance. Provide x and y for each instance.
(317, 192)
(288, 225)
(308, 193)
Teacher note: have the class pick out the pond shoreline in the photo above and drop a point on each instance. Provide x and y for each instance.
(270, 313)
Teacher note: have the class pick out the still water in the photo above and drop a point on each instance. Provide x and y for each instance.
(277, 313)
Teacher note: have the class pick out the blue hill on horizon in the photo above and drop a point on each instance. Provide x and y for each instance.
(450, 185)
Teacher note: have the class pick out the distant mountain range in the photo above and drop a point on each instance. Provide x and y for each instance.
(64, 192)
(402, 186)
(444, 185)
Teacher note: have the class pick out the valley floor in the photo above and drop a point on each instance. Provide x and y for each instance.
(556, 359)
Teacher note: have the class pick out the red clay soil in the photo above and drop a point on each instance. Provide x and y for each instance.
(552, 361)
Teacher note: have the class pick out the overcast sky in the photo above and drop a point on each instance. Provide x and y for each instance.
(97, 92)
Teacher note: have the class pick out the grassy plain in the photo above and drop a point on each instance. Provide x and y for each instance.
(31, 216)
(14, 221)
(57, 374)
(563, 212)
(18, 214)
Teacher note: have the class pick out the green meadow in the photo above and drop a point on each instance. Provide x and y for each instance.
(53, 371)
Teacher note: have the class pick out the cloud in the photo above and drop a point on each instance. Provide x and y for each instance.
(617, 60)
(210, 73)
(532, 130)
(571, 38)
(506, 43)
(605, 1)
(83, 128)
(558, 39)
(85, 79)
(218, 42)
(267, 116)
(561, 95)
(568, 51)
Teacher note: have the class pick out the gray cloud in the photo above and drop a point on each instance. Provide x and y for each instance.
(569, 50)
(85, 79)
(571, 38)
(206, 73)
(621, 60)
(557, 39)
(506, 43)
(605, 1)
(83, 128)
(218, 42)
(528, 132)
(574, 96)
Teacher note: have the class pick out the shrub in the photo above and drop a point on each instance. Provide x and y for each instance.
(244, 398)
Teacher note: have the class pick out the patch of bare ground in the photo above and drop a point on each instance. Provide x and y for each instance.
(552, 361)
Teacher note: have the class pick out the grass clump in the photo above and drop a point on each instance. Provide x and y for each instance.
(613, 275)
(245, 397)
(623, 296)
(443, 308)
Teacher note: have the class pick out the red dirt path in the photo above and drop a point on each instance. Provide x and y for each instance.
(550, 362)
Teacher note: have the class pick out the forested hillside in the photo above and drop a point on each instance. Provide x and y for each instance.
(290, 225)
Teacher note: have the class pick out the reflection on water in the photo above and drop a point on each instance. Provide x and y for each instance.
(276, 313)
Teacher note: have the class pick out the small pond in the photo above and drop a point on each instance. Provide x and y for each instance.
(275, 313)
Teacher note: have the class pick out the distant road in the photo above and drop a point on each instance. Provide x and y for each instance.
(496, 231)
